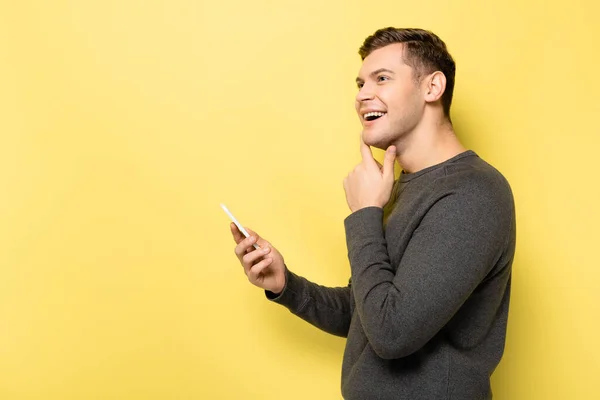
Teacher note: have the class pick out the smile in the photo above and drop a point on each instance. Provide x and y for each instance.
(371, 116)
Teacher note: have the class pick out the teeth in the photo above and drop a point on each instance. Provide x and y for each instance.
(374, 114)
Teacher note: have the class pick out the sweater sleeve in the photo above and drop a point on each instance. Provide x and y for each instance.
(327, 308)
(456, 244)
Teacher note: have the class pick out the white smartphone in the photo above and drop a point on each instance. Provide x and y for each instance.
(235, 221)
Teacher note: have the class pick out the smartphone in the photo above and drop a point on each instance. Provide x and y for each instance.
(235, 221)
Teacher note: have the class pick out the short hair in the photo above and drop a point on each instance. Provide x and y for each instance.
(424, 51)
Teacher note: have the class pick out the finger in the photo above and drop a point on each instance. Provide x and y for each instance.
(240, 249)
(256, 270)
(390, 157)
(251, 232)
(238, 236)
(365, 150)
(251, 258)
(259, 240)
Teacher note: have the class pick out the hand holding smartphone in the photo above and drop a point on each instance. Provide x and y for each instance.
(264, 266)
(235, 221)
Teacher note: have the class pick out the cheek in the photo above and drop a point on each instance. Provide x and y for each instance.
(403, 101)
(392, 97)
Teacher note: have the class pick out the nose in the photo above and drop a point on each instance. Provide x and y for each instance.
(365, 93)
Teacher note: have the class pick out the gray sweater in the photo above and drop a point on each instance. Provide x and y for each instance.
(425, 311)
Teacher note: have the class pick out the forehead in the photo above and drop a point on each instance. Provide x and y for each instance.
(388, 57)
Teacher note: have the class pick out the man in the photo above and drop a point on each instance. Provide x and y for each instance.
(425, 311)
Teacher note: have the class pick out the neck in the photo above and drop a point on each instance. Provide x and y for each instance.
(430, 143)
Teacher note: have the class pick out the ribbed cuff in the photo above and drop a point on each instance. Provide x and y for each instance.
(291, 295)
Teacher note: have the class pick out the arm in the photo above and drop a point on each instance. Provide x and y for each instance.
(326, 308)
(454, 247)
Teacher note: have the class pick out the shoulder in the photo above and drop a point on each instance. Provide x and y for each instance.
(474, 188)
(472, 176)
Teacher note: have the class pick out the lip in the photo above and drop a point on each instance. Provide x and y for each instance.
(369, 123)
(364, 111)
(368, 110)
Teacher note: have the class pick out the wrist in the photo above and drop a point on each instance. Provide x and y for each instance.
(277, 290)
(367, 205)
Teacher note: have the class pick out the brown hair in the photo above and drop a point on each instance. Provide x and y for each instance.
(424, 51)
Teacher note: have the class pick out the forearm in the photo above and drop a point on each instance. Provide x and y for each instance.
(327, 308)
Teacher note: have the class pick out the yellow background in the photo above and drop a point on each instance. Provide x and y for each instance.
(124, 124)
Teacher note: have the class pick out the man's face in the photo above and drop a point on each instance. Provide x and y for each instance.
(389, 101)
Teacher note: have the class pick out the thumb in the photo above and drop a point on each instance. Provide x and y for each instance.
(388, 163)
(259, 239)
(252, 233)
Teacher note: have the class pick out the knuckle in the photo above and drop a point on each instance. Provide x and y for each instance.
(254, 272)
(247, 261)
(258, 268)
(250, 272)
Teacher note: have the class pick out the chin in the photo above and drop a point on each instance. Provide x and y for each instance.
(375, 139)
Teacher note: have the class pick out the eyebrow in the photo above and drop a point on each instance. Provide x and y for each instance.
(376, 72)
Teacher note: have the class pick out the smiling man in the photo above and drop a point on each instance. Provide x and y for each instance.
(425, 311)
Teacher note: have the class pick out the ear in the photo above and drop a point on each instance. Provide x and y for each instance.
(435, 85)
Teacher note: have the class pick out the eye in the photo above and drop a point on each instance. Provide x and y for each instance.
(360, 85)
(382, 78)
